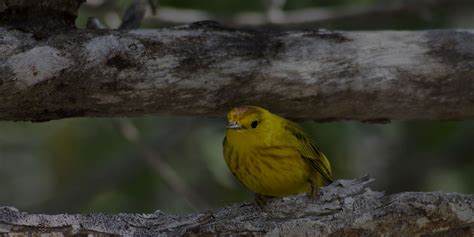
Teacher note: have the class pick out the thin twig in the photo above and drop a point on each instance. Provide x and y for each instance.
(274, 10)
(154, 5)
(133, 15)
(94, 24)
(169, 176)
(174, 16)
(276, 16)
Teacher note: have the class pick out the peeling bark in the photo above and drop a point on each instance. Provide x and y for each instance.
(346, 208)
(204, 69)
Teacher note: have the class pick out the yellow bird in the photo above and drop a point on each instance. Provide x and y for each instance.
(273, 156)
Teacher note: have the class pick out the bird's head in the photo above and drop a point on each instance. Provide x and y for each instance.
(247, 119)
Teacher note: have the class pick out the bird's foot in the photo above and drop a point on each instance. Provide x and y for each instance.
(261, 201)
(313, 193)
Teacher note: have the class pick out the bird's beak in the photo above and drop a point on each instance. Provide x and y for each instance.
(233, 125)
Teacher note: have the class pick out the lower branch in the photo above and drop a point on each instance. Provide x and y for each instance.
(345, 207)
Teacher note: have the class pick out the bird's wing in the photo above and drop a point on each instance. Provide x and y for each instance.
(309, 151)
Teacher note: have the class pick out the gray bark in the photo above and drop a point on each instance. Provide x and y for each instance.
(205, 69)
(346, 207)
(50, 70)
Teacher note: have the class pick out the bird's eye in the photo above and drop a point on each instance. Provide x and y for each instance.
(254, 124)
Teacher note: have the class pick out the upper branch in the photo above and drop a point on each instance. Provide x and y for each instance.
(205, 68)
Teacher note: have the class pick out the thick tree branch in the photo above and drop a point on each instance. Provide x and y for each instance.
(345, 208)
(204, 69)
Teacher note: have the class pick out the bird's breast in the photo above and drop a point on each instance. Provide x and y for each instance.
(269, 170)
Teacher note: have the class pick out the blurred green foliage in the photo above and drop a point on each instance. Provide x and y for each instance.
(87, 165)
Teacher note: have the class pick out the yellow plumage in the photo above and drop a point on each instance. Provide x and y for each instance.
(271, 155)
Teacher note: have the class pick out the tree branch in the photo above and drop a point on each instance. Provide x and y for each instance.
(205, 69)
(346, 207)
(312, 16)
(307, 16)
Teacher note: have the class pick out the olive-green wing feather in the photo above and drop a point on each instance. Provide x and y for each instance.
(309, 151)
